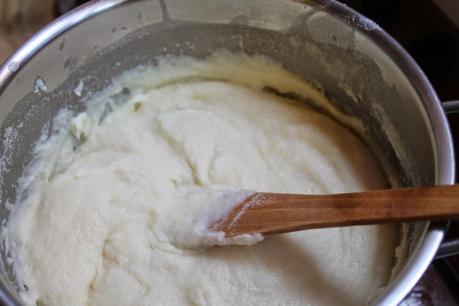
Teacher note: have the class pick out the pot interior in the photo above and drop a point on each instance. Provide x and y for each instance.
(308, 40)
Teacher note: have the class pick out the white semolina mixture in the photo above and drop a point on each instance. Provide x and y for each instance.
(120, 219)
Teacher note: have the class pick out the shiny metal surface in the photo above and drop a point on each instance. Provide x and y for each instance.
(448, 248)
(359, 66)
(451, 106)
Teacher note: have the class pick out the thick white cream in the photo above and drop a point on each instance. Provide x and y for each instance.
(121, 220)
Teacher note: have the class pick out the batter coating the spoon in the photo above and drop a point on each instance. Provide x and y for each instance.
(115, 200)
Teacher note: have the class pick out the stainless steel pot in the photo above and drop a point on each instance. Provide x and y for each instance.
(359, 66)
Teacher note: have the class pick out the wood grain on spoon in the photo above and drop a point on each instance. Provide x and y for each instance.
(274, 213)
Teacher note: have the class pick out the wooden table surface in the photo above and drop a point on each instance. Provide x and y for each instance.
(19, 19)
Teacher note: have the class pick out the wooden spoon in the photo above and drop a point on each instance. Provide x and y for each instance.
(274, 213)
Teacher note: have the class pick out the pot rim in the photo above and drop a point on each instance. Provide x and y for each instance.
(445, 164)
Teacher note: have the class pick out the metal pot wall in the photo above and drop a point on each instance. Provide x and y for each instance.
(360, 67)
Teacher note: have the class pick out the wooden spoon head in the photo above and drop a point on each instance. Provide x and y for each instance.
(258, 214)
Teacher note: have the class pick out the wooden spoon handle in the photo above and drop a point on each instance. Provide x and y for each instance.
(273, 213)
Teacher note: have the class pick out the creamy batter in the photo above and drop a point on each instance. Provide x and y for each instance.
(117, 202)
